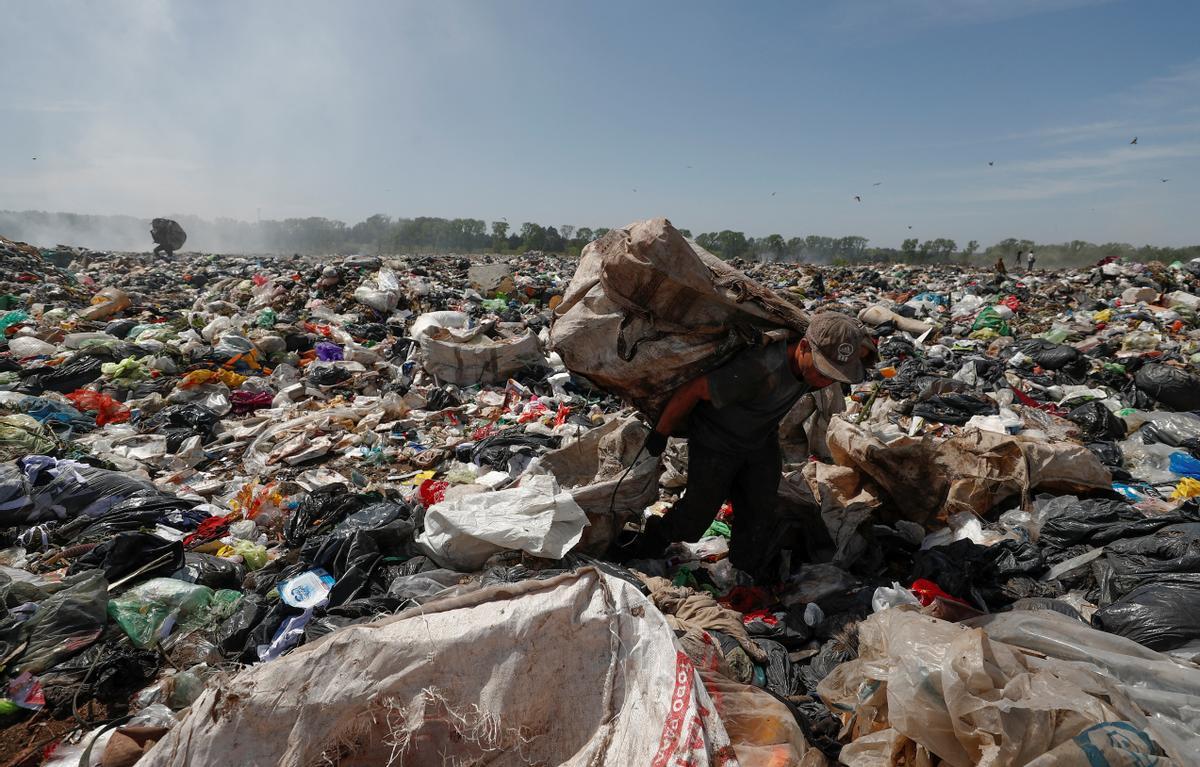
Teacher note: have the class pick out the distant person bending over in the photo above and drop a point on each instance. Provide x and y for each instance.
(168, 236)
(733, 417)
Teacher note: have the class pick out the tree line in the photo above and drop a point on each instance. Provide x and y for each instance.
(383, 234)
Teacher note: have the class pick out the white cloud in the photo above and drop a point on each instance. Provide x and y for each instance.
(925, 14)
(1038, 189)
(1108, 161)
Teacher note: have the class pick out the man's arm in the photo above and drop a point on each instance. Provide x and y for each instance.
(680, 405)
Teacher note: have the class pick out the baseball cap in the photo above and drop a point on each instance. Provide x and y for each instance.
(836, 342)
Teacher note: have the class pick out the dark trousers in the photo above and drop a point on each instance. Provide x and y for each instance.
(750, 481)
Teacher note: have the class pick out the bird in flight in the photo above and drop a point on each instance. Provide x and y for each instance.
(877, 183)
(1134, 140)
(635, 189)
(772, 194)
(857, 198)
(991, 163)
(1164, 180)
(910, 226)
(35, 158)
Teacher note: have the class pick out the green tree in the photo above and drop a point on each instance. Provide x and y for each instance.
(971, 249)
(533, 236)
(499, 235)
(909, 249)
(775, 246)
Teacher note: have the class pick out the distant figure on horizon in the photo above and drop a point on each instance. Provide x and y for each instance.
(168, 236)
(1031, 260)
(1018, 259)
(1000, 270)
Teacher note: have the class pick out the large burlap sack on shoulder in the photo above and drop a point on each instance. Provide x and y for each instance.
(576, 670)
(648, 311)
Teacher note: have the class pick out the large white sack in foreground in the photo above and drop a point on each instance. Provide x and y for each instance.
(575, 670)
(537, 517)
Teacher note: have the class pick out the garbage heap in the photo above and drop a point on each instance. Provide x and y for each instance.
(351, 510)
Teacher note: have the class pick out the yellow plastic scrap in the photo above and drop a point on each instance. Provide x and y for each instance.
(1187, 488)
(200, 377)
(419, 477)
(1103, 315)
(253, 554)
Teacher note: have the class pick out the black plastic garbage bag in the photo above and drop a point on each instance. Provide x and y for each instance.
(1171, 386)
(954, 408)
(75, 373)
(63, 624)
(231, 636)
(328, 375)
(320, 510)
(349, 613)
(495, 450)
(139, 511)
(1048, 355)
(833, 653)
(782, 677)
(1097, 421)
(1137, 561)
(1111, 456)
(128, 552)
(178, 422)
(1098, 521)
(111, 671)
(66, 489)
(1161, 616)
(214, 572)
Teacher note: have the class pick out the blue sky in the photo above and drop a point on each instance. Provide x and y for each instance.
(764, 116)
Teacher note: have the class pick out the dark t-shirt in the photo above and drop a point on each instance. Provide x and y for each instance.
(750, 395)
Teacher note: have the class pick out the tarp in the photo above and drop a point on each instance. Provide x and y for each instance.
(576, 670)
(1004, 692)
(929, 480)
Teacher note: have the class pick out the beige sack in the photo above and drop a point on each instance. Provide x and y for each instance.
(576, 670)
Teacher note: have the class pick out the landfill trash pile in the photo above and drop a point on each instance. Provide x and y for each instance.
(281, 510)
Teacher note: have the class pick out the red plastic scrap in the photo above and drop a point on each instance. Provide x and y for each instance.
(432, 491)
(561, 416)
(760, 615)
(927, 591)
(107, 409)
(208, 530)
(1028, 401)
(1012, 302)
(746, 599)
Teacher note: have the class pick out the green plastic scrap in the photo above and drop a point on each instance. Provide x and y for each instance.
(149, 611)
(22, 435)
(990, 319)
(266, 318)
(128, 371)
(718, 528)
(12, 318)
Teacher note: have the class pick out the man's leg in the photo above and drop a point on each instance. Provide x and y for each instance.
(757, 529)
(709, 482)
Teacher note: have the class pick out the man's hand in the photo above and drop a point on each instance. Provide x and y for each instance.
(656, 443)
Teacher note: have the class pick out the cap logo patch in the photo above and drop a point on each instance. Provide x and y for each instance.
(844, 351)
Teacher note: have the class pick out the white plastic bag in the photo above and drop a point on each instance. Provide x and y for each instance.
(538, 517)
